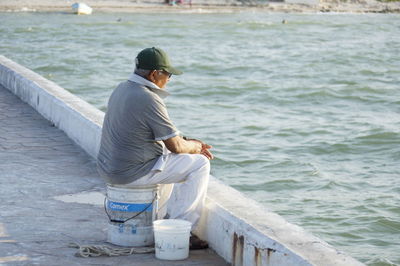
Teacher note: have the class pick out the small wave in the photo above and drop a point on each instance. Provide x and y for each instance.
(200, 66)
(379, 138)
(223, 91)
(360, 91)
(395, 210)
(252, 161)
(377, 261)
(332, 185)
(116, 21)
(275, 185)
(254, 127)
(385, 224)
(215, 105)
(349, 235)
(323, 93)
(27, 30)
(372, 73)
(52, 69)
(134, 43)
(327, 148)
(256, 24)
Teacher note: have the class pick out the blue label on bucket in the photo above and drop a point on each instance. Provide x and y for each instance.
(129, 207)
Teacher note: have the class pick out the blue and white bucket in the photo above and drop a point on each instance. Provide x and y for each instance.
(131, 211)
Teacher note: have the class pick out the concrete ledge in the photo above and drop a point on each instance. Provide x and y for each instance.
(239, 229)
(245, 233)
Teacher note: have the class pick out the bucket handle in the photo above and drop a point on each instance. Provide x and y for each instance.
(136, 215)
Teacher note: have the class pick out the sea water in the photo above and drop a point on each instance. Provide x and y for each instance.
(303, 116)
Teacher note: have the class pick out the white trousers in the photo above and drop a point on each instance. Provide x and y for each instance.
(188, 175)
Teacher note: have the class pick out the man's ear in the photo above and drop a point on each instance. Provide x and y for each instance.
(151, 76)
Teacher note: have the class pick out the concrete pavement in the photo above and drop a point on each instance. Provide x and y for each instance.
(42, 174)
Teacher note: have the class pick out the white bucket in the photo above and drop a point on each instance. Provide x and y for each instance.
(124, 203)
(172, 239)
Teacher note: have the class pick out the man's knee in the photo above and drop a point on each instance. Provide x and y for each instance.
(203, 161)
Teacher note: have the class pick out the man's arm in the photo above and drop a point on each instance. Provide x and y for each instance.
(179, 145)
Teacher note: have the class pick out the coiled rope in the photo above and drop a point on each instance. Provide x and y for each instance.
(86, 251)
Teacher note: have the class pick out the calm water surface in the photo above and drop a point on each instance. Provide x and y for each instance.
(304, 117)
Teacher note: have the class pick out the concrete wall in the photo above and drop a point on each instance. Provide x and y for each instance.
(239, 229)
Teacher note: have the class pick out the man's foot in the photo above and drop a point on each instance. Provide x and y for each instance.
(197, 243)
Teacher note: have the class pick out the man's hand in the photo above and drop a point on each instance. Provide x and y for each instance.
(204, 148)
(179, 145)
(205, 151)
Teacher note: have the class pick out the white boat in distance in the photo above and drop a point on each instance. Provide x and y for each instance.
(81, 9)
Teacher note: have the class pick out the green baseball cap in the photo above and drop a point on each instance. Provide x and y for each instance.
(155, 59)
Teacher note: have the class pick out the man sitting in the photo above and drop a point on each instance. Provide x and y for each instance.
(141, 146)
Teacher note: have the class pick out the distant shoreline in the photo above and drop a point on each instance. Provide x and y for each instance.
(115, 6)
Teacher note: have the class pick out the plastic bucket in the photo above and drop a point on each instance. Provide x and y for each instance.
(131, 211)
(172, 239)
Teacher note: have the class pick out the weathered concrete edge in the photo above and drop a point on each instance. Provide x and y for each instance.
(239, 229)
